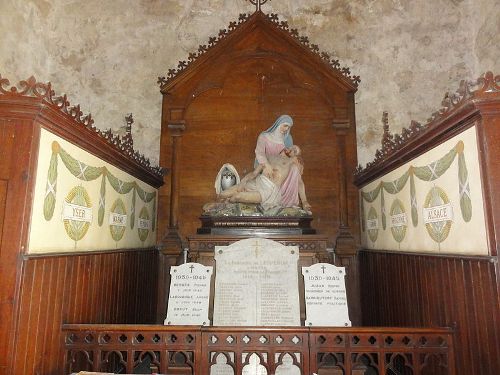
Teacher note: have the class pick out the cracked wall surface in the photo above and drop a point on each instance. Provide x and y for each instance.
(107, 55)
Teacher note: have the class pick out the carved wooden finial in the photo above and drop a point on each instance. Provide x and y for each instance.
(387, 137)
(127, 140)
(258, 4)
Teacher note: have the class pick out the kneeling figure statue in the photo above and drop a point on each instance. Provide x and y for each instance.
(264, 188)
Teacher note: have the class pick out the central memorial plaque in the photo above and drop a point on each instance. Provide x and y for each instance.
(256, 284)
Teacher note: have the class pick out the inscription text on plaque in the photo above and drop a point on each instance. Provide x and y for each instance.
(325, 294)
(189, 295)
(256, 284)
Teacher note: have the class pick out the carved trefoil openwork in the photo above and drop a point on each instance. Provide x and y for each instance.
(43, 91)
(273, 18)
(468, 91)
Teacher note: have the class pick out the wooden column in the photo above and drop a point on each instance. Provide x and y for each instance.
(171, 244)
(346, 249)
(345, 243)
(172, 240)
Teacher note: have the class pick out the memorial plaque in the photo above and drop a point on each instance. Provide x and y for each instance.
(256, 284)
(325, 294)
(254, 367)
(221, 367)
(189, 295)
(287, 366)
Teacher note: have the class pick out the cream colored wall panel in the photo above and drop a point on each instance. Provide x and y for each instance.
(432, 204)
(82, 203)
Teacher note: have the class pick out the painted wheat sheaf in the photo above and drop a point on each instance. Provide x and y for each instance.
(77, 229)
(372, 231)
(117, 231)
(398, 230)
(143, 232)
(438, 230)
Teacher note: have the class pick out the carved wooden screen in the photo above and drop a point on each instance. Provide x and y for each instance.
(214, 109)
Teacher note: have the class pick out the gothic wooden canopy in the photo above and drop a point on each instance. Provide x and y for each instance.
(235, 34)
(217, 102)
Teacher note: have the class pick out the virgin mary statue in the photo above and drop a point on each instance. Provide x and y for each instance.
(272, 142)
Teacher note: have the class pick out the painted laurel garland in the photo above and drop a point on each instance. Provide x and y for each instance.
(426, 173)
(132, 211)
(102, 200)
(398, 231)
(372, 230)
(143, 232)
(382, 209)
(439, 230)
(77, 229)
(117, 231)
(49, 202)
(413, 198)
(465, 198)
(363, 217)
(85, 172)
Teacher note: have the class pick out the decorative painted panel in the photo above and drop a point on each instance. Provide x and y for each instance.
(82, 203)
(431, 204)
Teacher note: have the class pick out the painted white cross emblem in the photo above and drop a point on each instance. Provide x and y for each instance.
(464, 188)
(51, 188)
(432, 168)
(83, 168)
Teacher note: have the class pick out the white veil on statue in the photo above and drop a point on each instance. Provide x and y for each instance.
(225, 169)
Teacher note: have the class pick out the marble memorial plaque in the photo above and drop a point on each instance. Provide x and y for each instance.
(254, 367)
(325, 295)
(221, 367)
(188, 300)
(287, 367)
(256, 284)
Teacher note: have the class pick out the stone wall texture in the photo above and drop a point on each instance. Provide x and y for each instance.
(107, 55)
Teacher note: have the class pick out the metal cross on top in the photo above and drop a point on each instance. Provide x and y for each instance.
(258, 4)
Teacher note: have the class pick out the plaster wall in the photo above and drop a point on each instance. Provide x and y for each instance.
(107, 55)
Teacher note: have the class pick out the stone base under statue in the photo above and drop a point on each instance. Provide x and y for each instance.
(250, 220)
(255, 226)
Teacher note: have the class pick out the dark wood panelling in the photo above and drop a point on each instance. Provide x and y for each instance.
(421, 290)
(114, 288)
(3, 196)
(218, 106)
(37, 295)
(15, 135)
(489, 154)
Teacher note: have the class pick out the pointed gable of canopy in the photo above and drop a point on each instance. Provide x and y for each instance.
(245, 32)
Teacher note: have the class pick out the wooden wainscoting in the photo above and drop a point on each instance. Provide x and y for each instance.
(422, 290)
(113, 287)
